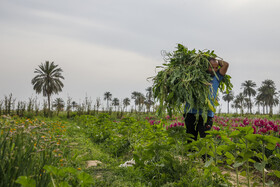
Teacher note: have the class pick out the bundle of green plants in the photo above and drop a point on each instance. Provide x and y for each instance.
(184, 78)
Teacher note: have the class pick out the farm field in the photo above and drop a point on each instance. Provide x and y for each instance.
(138, 150)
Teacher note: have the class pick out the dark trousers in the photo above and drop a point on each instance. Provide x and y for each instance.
(194, 127)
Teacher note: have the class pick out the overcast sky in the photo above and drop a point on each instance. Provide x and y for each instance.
(115, 46)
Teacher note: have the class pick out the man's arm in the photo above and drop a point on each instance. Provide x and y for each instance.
(224, 67)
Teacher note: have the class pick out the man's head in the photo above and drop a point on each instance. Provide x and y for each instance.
(214, 65)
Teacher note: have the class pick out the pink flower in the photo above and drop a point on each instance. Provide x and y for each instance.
(263, 130)
(241, 125)
(246, 122)
(216, 128)
(255, 129)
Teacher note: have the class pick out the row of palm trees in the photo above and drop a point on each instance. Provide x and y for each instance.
(48, 80)
(266, 96)
(143, 102)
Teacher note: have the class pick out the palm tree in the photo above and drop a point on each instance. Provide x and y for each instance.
(240, 99)
(116, 102)
(268, 94)
(149, 98)
(48, 80)
(126, 102)
(248, 90)
(107, 97)
(247, 104)
(140, 101)
(134, 95)
(260, 102)
(236, 105)
(148, 104)
(74, 105)
(58, 104)
(68, 106)
(228, 97)
(98, 103)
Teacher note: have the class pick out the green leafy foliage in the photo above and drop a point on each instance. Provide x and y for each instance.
(69, 174)
(26, 182)
(184, 78)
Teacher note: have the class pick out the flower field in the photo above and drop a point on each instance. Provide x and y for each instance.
(45, 151)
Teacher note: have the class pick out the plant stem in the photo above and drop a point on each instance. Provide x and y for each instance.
(247, 165)
(263, 154)
(237, 180)
(53, 181)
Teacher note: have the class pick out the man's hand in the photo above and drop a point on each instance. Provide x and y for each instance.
(224, 66)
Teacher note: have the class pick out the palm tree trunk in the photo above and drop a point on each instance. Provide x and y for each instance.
(228, 107)
(250, 104)
(271, 110)
(49, 104)
(107, 105)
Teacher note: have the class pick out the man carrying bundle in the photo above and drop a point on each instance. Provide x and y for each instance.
(193, 126)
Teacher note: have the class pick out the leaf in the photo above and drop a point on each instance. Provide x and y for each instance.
(251, 137)
(259, 166)
(234, 134)
(248, 154)
(69, 170)
(243, 173)
(64, 184)
(51, 169)
(210, 106)
(269, 183)
(209, 162)
(238, 164)
(276, 173)
(270, 146)
(85, 178)
(230, 157)
(26, 181)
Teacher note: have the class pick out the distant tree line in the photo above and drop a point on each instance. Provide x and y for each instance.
(264, 98)
(33, 107)
(48, 81)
